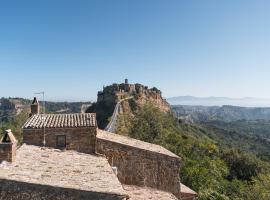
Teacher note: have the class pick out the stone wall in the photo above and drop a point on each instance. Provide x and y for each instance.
(79, 139)
(140, 167)
(7, 152)
(13, 190)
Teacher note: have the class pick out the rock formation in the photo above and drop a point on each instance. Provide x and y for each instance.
(137, 95)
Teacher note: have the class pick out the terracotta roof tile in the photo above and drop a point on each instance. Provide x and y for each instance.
(60, 121)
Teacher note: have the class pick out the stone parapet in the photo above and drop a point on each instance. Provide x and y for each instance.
(137, 166)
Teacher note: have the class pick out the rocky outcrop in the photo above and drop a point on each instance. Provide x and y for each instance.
(115, 92)
(110, 95)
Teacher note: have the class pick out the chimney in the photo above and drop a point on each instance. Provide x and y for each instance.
(126, 81)
(8, 146)
(34, 107)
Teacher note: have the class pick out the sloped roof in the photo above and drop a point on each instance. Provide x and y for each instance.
(63, 169)
(8, 137)
(35, 101)
(60, 121)
(104, 135)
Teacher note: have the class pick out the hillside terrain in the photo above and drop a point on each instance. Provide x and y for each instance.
(248, 136)
(244, 128)
(213, 168)
(220, 160)
(222, 113)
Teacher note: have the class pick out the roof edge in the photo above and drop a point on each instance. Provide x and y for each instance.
(67, 188)
(172, 156)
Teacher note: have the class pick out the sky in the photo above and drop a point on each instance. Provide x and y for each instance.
(71, 48)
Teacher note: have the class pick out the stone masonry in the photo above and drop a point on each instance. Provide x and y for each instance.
(41, 173)
(8, 145)
(140, 163)
(72, 131)
(79, 139)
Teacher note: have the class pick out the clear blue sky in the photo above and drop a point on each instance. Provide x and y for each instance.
(70, 49)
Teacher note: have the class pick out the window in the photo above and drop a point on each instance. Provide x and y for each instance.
(61, 141)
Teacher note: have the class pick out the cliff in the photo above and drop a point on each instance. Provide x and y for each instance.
(131, 98)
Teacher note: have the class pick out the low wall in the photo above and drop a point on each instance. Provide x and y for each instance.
(13, 190)
(140, 167)
(79, 139)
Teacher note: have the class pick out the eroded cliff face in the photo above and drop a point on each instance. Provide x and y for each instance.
(153, 98)
(131, 97)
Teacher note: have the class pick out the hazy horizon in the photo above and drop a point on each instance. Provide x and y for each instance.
(219, 101)
(187, 100)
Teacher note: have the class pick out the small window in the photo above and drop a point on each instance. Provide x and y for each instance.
(61, 141)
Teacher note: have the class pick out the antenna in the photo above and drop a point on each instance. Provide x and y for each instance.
(43, 117)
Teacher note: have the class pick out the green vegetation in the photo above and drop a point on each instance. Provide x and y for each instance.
(7, 110)
(251, 136)
(63, 107)
(15, 124)
(224, 113)
(216, 172)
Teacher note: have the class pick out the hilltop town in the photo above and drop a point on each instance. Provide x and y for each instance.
(129, 96)
(116, 92)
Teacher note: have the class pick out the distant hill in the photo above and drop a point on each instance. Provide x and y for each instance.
(236, 127)
(10, 107)
(222, 113)
(219, 101)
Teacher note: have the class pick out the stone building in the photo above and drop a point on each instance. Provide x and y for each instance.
(64, 131)
(66, 157)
